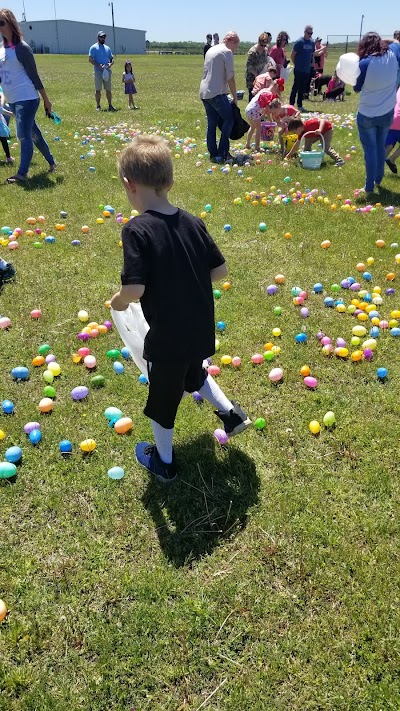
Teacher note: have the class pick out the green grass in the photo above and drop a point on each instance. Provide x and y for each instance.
(270, 572)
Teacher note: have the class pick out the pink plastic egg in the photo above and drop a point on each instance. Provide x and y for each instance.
(5, 322)
(90, 361)
(257, 358)
(325, 341)
(36, 313)
(276, 375)
(310, 382)
(236, 362)
(213, 370)
(83, 352)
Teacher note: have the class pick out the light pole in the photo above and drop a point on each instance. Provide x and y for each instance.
(24, 12)
(111, 4)
(56, 24)
(362, 20)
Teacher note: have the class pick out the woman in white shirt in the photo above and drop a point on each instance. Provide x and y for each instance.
(22, 86)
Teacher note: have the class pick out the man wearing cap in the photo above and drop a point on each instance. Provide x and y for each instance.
(302, 57)
(102, 59)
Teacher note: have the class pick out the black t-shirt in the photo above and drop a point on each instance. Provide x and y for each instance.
(172, 255)
(206, 48)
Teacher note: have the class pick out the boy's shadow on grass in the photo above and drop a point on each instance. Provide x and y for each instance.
(208, 502)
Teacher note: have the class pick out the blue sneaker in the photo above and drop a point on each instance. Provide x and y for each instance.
(7, 271)
(147, 455)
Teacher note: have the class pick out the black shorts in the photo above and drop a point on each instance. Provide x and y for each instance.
(167, 383)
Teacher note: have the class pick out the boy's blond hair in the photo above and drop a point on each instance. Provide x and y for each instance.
(147, 161)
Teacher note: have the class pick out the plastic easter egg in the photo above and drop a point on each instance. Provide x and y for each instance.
(50, 358)
(280, 279)
(262, 227)
(54, 368)
(304, 312)
(301, 338)
(85, 229)
(35, 436)
(7, 406)
(310, 382)
(260, 423)
(90, 362)
(46, 404)
(76, 242)
(2, 435)
(329, 419)
(197, 397)
(217, 344)
(116, 473)
(326, 244)
(369, 343)
(20, 373)
(214, 370)
(5, 322)
(395, 332)
(84, 351)
(142, 379)
(65, 446)
(108, 325)
(327, 350)
(305, 370)
(80, 392)
(381, 375)
(3, 610)
(257, 358)
(88, 445)
(271, 289)
(98, 381)
(37, 361)
(314, 427)
(341, 352)
(275, 375)
(31, 426)
(112, 413)
(276, 332)
(226, 360)
(48, 376)
(49, 391)
(7, 470)
(221, 325)
(123, 425)
(359, 331)
(221, 436)
(119, 368)
(13, 454)
(226, 285)
(356, 356)
(83, 315)
(227, 228)
(125, 352)
(380, 243)
(318, 288)
(236, 362)
(113, 354)
(36, 313)
(44, 349)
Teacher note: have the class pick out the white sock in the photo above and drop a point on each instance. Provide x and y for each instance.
(163, 440)
(213, 393)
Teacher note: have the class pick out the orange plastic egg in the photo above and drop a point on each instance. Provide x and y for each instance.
(46, 404)
(123, 425)
(37, 361)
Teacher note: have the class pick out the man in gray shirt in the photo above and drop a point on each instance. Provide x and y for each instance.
(218, 75)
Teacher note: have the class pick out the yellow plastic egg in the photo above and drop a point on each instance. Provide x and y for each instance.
(370, 261)
(341, 308)
(276, 350)
(31, 220)
(395, 313)
(276, 332)
(107, 304)
(314, 427)
(100, 221)
(226, 285)
(203, 215)
(362, 316)
(54, 368)
(359, 331)
(342, 352)
(393, 323)
(88, 445)
(2, 435)
(369, 343)
(356, 356)
(226, 360)
(83, 315)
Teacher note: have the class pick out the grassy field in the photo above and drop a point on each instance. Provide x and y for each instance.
(268, 577)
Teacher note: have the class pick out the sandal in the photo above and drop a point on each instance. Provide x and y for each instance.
(15, 179)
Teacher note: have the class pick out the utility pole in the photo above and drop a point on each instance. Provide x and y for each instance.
(362, 20)
(111, 4)
(55, 19)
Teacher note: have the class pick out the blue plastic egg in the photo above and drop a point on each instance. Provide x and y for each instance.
(395, 332)
(374, 332)
(116, 473)
(125, 352)
(329, 302)
(382, 373)
(7, 406)
(20, 373)
(112, 413)
(49, 239)
(35, 436)
(318, 288)
(65, 446)
(227, 228)
(221, 325)
(367, 276)
(13, 454)
(118, 367)
(301, 338)
(144, 381)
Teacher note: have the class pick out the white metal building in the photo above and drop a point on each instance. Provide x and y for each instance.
(69, 37)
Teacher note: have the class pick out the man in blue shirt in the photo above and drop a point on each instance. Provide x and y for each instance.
(102, 59)
(302, 56)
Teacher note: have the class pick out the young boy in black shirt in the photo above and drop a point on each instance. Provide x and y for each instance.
(170, 261)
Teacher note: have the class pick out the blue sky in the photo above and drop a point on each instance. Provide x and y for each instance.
(185, 20)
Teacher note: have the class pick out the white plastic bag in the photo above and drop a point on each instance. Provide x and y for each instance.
(106, 74)
(348, 68)
(132, 327)
(285, 73)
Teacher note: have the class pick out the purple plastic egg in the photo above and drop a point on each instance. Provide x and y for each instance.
(30, 426)
(390, 291)
(368, 354)
(340, 343)
(325, 341)
(355, 286)
(221, 436)
(50, 358)
(304, 312)
(80, 392)
(319, 336)
(197, 397)
(108, 325)
(272, 289)
(83, 336)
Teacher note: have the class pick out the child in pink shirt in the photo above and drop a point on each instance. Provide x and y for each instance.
(335, 89)
(393, 137)
(282, 114)
(257, 109)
